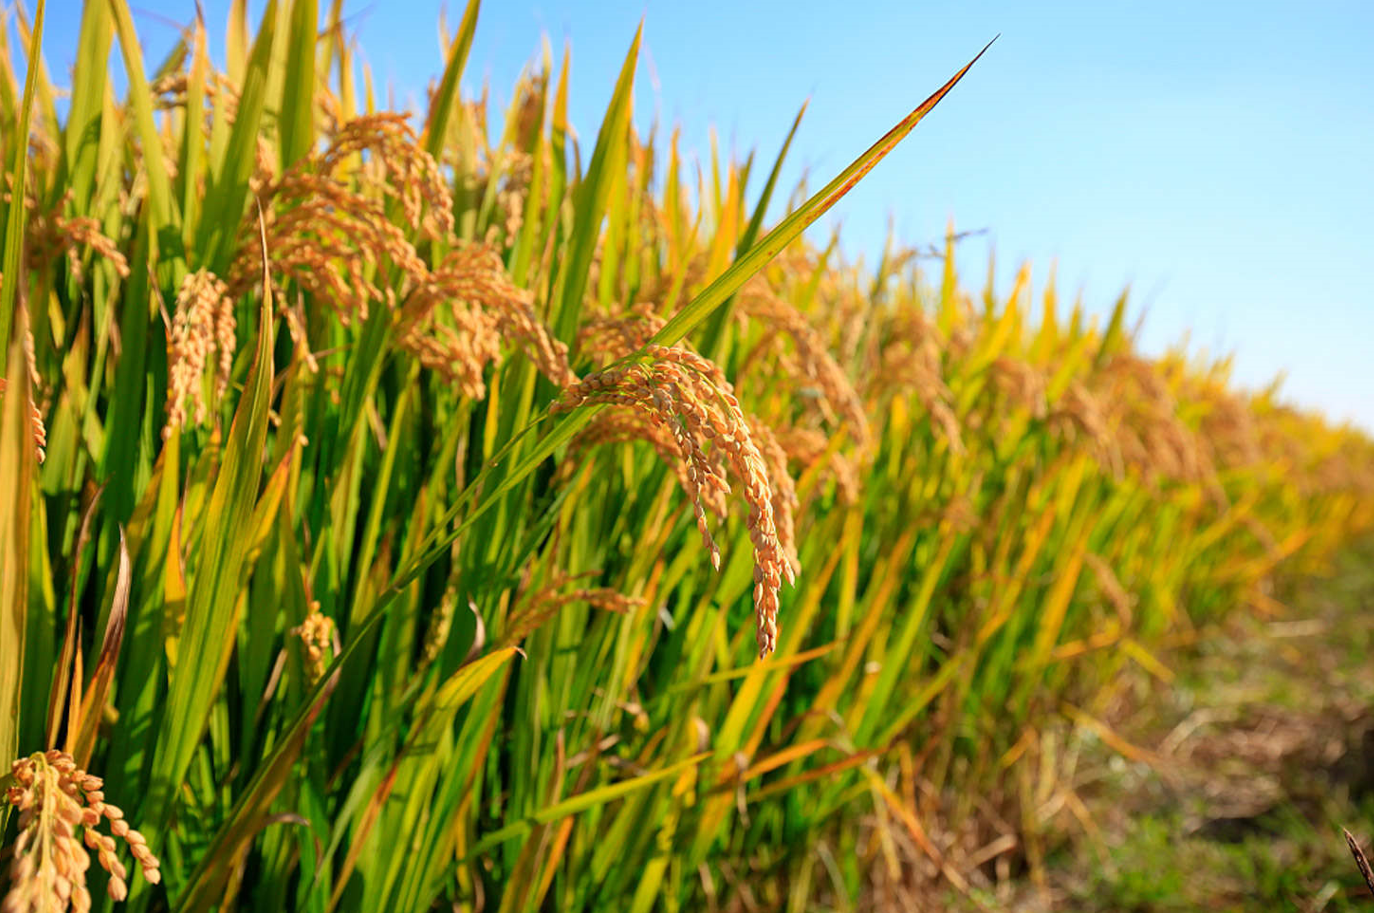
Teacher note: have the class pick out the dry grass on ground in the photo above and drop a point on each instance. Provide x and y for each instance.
(1253, 760)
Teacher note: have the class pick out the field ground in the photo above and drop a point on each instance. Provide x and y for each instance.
(1258, 754)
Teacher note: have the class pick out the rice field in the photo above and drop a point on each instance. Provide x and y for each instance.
(402, 515)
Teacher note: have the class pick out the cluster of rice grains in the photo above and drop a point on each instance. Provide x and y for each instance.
(319, 641)
(38, 430)
(687, 395)
(338, 220)
(537, 606)
(331, 218)
(813, 369)
(202, 325)
(48, 863)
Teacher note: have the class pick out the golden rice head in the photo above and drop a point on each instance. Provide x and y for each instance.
(690, 396)
(531, 92)
(784, 489)
(511, 197)
(1151, 437)
(623, 426)
(329, 239)
(808, 447)
(539, 606)
(48, 866)
(327, 223)
(49, 236)
(659, 288)
(59, 235)
(318, 636)
(398, 166)
(169, 92)
(36, 426)
(1079, 412)
(816, 367)
(1020, 383)
(1110, 585)
(455, 319)
(611, 337)
(907, 356)
(203, 323)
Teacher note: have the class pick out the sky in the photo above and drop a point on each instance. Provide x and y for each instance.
(1214, 158)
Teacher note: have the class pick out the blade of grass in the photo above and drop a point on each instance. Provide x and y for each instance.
(789, 228)
(165, 237)
(213, 598)
(227, 196)
(82, 742)
(582, 802)
(14, 221)
(446, 100)
(712, 334)
(16, 475)
(297, 114)
(250, 813)
(593, 192)
(82, 132)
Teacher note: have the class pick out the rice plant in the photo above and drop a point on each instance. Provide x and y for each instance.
(398, 515)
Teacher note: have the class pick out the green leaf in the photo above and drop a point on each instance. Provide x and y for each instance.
(715, 329)
(93, 698)
(446, 100)
(250, 813)
(583, 802)
(165, 237)
(82, 132)
(213, 596)
(227, 196)
(1115, 338)
(751, 231)
(16, 486)
(192, 165)
(14, 222)
(786, 231)
(16, 443)
(437, 713)
(592, 194)
(297, 116)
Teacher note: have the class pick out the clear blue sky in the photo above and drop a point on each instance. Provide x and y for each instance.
(1213, 156)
